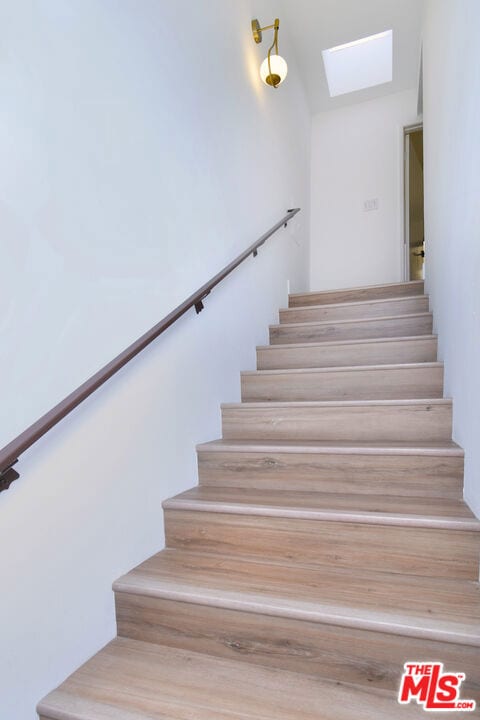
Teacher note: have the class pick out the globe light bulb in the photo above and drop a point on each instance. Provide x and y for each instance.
(278, 68)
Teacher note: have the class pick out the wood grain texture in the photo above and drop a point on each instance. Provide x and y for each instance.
(356, 294)
(393, 510)
(414, 420)
(380, 382)
(418, 324)
(355, 310)
(428, 608)
(414, 550)
(132, 680)
(377, 351)
(344, 469)
(326, 544)
(365, 658)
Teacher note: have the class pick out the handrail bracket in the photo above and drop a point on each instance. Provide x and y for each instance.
(199, 304)
(7, 476)
(289, 211)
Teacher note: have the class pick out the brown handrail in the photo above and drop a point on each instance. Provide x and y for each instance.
(10, 453)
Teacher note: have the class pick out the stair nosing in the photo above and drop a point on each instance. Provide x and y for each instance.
(226, 446)
(338, 516)
(49, 708)
(357, 287)
(412, 402)
(326, 343)
(347, 368)
(353, 320)
(355, 302)
(343, 616)
(66, 703)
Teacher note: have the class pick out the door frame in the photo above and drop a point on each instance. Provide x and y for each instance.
(407, 131)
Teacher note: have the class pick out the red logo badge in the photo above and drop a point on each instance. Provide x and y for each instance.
(428, 685)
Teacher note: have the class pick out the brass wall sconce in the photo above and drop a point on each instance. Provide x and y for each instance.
(273, 70)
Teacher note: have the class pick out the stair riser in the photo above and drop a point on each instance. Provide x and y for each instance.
(427, 552)
(375, 384)
(370, 353)
(323, 313)
(409, 475)
(370, 423)
(379, 292)
(354, 330)
(347, 655)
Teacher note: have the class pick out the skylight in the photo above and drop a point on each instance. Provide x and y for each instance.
(359, 64)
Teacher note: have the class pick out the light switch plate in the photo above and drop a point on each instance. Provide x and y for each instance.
(370, 204)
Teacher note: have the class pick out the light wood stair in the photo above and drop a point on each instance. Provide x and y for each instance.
(395, 468)
(357, 420)
(345, 625)
(341, 353)
(419, 536)
(352, 329)
(369, 382)
(326, 544)
(356, 310)
(357, 294)
(164, 683)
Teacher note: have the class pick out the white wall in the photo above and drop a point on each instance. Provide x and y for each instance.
(140, 153)
(451, 81)
(357, 155)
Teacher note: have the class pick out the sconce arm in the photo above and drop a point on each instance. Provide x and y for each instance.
(257, 30)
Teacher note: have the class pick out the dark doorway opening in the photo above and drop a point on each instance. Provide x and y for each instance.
(414, 207)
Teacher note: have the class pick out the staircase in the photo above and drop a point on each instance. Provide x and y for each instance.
(326, 544)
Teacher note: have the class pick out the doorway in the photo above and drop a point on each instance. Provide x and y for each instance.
(414, 240)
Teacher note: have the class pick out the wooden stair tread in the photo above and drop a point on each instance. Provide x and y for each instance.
(134, 680)
(399, 447)
(334, 507)
(362, 341)
(414, 469)
(362, 380)
(406, 285)
(429, 608)
(349, 321)
(389, 285)
(317, 331)
(355, 309)
(373, 301)
(299, 564)
(342, 403)
(331, 501)
(360, 420)
(344, 368)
